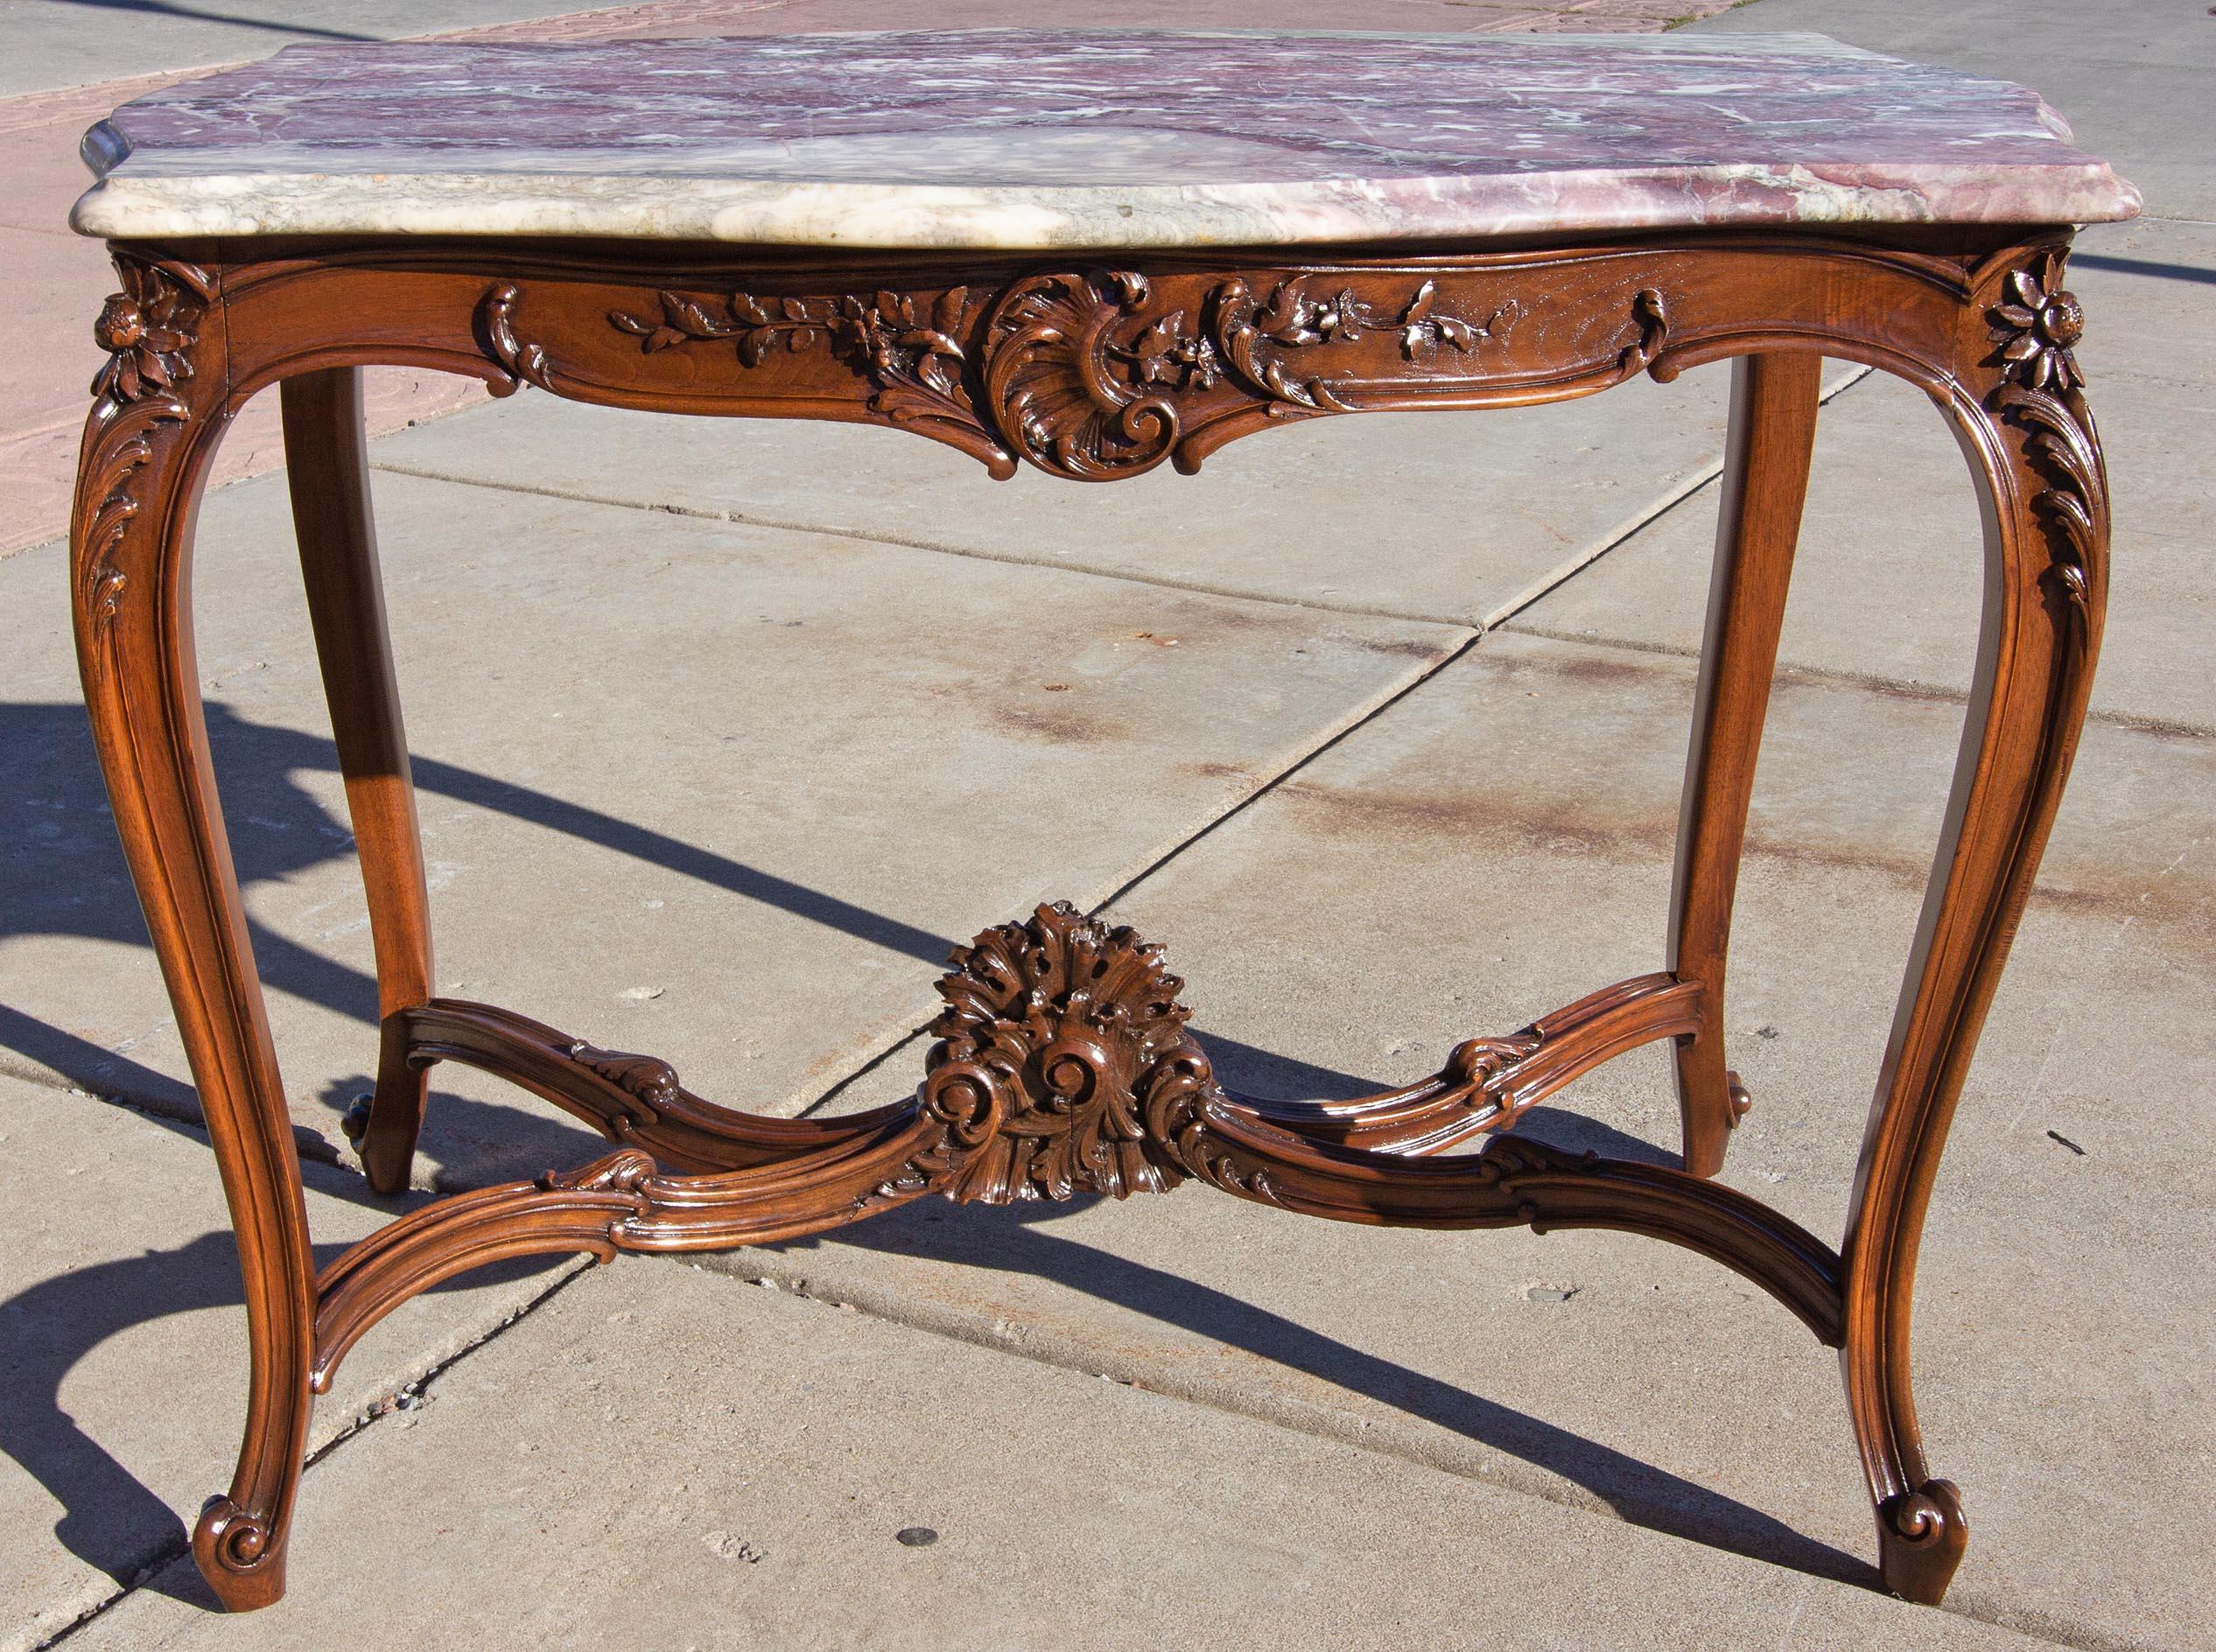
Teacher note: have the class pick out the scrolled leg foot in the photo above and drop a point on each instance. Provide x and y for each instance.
(1921, 1534)
(242, 1556)
(159, 411)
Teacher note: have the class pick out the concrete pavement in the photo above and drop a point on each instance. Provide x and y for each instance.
(744, 753)
(122, 1371)
(907, 776)
(728, 1468)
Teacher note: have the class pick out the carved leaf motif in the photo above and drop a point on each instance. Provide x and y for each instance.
(1285, 318)
(150, 329)
(649, 1079)
(689, 318)
(917, 368)
(1158, 337)
(1457, 332)
(1058, 1033)
(123, 446)
(2062, 446)
(2042, 393)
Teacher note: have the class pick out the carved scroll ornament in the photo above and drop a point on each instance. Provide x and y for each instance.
(1097, 373)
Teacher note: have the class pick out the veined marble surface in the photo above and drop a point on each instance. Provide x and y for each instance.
(1075, 139)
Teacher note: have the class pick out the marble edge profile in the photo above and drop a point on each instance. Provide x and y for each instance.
(945, 218)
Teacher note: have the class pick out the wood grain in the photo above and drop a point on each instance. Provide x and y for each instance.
(1062, 1065)
(1772, 435)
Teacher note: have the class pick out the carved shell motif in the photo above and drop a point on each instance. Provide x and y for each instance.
(1060, 1035)
(1058, 395)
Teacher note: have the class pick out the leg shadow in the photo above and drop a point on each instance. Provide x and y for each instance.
(111, 1519)
(1013, 1239)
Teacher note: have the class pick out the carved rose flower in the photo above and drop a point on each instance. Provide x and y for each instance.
(145, 329)
(2045, 327)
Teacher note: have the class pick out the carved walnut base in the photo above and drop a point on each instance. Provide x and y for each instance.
(1063, 1068)
(1062, 1065)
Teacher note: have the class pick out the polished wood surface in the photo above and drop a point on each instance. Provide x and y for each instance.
(327, 468)
(1771, 435)
(1062, 1065)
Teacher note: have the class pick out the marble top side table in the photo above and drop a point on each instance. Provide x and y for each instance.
(1091, 252)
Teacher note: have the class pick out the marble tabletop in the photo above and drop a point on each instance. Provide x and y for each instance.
(1083, 138)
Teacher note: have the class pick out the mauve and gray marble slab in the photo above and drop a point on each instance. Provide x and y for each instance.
(1015, 138)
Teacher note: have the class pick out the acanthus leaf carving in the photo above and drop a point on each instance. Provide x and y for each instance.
(648, 1079)
(122, 448)
(1088, 384)
(1089, 378)
(2042, 393)
(150, 329)
(1061, 1042)
(1069, 394)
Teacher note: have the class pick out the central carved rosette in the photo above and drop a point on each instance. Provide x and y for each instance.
(1062, 1065)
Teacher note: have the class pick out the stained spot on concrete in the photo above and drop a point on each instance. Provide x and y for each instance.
(1064, 727)
(1507, 823)
(1500, 821)
(1404, 647)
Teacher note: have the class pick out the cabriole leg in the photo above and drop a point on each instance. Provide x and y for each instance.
(155, 424)
(2031, 444)
(1765, 479)
(328, 470)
